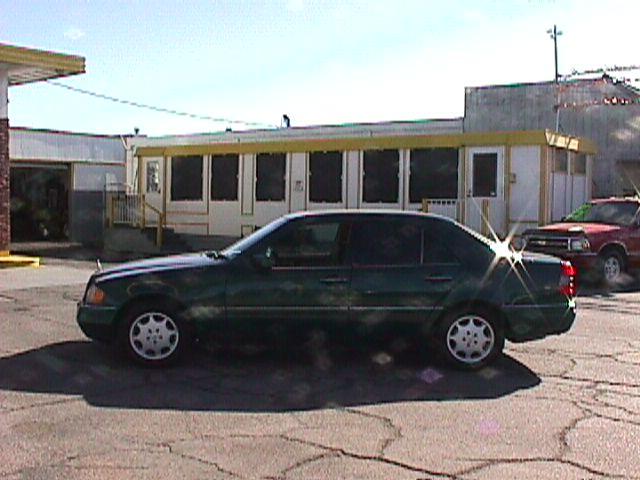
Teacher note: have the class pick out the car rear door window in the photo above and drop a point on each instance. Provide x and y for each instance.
(382, 242)
(435, 250)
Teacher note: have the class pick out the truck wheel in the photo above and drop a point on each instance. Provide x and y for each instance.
(612, 266)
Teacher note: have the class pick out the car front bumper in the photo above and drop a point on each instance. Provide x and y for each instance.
(97, 322)
(532, 322)
(583, 261)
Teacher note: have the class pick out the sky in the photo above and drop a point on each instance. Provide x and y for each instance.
(318, 61)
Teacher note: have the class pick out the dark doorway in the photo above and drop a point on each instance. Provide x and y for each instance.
(39, 202)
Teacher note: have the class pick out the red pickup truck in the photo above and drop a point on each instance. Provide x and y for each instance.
(601, 237)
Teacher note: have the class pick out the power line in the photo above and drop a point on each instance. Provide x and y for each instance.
(158, 109)
(603, 70)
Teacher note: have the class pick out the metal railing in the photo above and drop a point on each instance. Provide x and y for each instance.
(454, 209)
(131, 209)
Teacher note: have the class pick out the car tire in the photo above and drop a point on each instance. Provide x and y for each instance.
(611, 267)
(154, 334)
(469, 339)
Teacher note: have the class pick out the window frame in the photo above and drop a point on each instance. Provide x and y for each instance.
(396, 186)
(157, 181)
(497, 193)
(283, 187)
(201, 188)
(212, 190)
(341, 183)
(411, 176)
(562, 160)
(577, 159)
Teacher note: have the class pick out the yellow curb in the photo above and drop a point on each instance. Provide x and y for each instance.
(8, 261)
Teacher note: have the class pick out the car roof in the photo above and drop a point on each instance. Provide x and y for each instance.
(363, 213)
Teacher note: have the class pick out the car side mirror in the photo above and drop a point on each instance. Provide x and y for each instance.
(263, 261)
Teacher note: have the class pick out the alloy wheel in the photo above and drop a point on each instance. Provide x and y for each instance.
(470, 339)
(154, 336)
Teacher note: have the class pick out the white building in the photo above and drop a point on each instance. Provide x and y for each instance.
(230, 183)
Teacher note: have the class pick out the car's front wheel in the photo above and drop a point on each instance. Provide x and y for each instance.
(153, 334)
(612, 267)
(470, 339)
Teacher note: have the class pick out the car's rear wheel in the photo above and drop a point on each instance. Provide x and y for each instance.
(470, 339)
(154, 334)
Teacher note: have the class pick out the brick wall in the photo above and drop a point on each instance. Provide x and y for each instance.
(5, 225)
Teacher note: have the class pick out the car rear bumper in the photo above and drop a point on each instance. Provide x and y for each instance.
(532, 322)
(97, 322)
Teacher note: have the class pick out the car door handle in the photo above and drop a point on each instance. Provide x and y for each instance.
(334, 280)
(438, 279)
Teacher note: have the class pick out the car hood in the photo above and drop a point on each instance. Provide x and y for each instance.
(159, 264)
(575, 228)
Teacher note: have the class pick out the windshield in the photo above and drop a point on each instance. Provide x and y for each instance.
(614, 213)
(247, 242)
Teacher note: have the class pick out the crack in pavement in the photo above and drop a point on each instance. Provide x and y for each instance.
(301, 463)
(170, 449)
(373, 458)
(507, 461)
(396, 431)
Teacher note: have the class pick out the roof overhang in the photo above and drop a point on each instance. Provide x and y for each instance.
(27, 65)
(234, 144)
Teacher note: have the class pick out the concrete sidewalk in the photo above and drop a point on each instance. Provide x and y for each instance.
(44, 276)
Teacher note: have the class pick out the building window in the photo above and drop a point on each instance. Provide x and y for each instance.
(186, 178)
(560, 160)
(433, 174)
(485, 174)
(381, 169)
(325, 177)
(270, 176)
(224, 177)
(153, 177)
(579, 162)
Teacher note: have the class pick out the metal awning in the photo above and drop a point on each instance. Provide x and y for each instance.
(26, 65)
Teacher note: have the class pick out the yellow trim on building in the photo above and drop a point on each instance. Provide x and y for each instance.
(458, 140)
(30, 65)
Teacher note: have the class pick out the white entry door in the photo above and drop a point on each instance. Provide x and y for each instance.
(485, 204)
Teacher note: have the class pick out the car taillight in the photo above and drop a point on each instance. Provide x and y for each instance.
(568, 279)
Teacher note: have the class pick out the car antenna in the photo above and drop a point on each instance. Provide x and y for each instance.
(98, 264)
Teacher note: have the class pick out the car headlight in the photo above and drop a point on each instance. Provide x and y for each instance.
(579, 245)
(518, 243)
(95, 296)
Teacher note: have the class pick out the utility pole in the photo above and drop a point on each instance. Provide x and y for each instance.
(554, 34)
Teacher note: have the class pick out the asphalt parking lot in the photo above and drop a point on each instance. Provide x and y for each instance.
(563, 407)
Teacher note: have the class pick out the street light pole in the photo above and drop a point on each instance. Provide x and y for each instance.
(554, 33)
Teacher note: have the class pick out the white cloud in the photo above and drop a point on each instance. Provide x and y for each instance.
(74, 33)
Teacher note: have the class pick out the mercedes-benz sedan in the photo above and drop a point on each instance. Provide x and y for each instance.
(358, 270)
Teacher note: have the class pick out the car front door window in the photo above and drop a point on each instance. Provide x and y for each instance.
(308, 245)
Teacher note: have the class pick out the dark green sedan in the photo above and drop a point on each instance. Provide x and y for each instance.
(355, 270)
